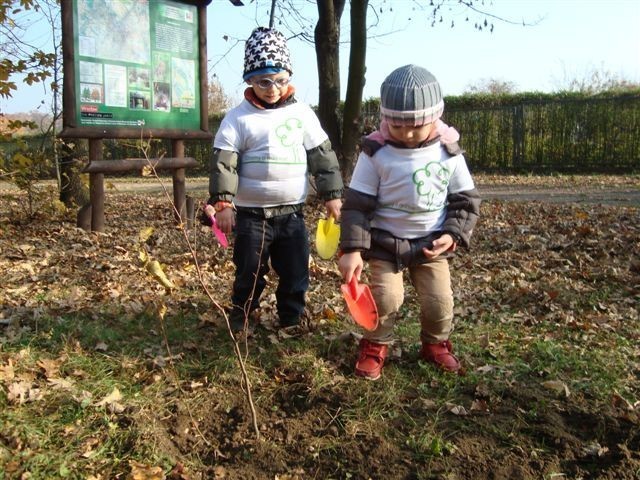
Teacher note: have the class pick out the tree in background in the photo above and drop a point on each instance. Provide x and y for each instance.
(343, 123)
(22, 58)
(344, 127)
(491, 86)
(218, 100)
(19, 57)
(596, 80)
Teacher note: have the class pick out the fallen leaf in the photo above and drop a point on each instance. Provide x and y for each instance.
(456, 409)
(23, 392)
(50, 366)
(480, 406)
(145, 234)
(7, 371)
(594, 450)
(84, 399)
(140, 471)
(219, 472)
(26, 248)
(60, 384)
(88, 445)
(557, 386)
(112, 401)
(486, 368)
(154, 268)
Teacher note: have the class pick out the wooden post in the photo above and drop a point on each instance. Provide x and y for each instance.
(96, 187)
(83, 218)
(518, 137)
(179, 190)
(190, 211)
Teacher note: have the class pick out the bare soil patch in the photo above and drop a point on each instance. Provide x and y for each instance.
(563, 275)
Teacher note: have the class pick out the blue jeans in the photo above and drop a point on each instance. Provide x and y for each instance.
(284, 240)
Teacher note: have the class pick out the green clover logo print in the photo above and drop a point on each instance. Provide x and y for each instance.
(290, 132)
(432, 175)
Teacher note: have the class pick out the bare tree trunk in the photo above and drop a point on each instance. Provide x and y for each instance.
(73, 191)
(56, 113)
(327, 38)
(273, 13)
(352, 128)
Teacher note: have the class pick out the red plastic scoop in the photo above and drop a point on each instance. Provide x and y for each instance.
(361, 304)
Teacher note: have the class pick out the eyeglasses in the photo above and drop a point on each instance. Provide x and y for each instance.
(267, 83)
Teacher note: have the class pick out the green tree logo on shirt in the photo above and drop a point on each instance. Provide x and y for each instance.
(290, 132)
(432, 175)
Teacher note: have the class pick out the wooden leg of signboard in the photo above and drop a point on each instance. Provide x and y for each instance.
(96, 187)
(83, 218)
(179, 194)
(190, 211)
(96, 191)
(179, 190)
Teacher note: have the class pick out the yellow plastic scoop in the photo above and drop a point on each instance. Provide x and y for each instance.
(327, 238)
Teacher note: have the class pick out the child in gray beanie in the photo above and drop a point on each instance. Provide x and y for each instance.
(262, 154)
(410, 203)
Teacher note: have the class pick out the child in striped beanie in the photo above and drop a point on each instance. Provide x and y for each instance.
(410, 203)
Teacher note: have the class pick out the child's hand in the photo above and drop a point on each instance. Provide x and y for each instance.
(209, 210)
(226, 220)
(440, 245)
(333, 208)
(350, 264)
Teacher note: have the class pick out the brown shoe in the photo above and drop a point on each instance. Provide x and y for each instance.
(440, 354)
(370, 359)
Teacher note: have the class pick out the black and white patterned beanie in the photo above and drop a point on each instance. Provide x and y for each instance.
(266, 51)
(411, 95)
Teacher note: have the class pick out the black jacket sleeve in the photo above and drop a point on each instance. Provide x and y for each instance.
(223, 176)
(357, 210)
(463, 211)
(324, 167)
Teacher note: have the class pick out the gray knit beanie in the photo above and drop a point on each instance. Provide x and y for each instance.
(266, 51)
(411, 95)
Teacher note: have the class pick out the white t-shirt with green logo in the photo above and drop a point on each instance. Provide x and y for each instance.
(411, 185)
(272, 147)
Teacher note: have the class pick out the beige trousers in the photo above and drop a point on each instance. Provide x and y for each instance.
(432, 282)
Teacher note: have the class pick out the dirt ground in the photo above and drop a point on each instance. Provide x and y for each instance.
(530, 434)
(620, 196)
(304, 439)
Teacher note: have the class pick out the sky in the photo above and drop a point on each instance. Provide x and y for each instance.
(561, 40)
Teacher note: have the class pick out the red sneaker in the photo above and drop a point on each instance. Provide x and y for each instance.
(370, 359)
(440, 354)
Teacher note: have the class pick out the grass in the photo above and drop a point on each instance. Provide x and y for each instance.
(69, 433)
(105, 392)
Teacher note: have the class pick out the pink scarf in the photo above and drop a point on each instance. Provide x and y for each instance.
(447, 134)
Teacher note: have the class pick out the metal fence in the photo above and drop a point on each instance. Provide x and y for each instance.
(569, 136)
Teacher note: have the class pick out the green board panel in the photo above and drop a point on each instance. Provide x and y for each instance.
(136, 64)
